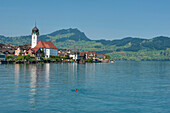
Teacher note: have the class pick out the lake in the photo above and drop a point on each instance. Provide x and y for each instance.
(123, 86)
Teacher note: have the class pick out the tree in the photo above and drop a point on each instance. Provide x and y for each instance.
(58, 59)
(107, 56)
(27, 57)
(67, 57)
(20, 54)
(20, 57)
(89, 60)
(10, 57)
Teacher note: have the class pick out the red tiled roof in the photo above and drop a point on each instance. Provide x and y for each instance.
(91, 52)
(86, 52)
(44, 44)
(81, 53)
(35, 49)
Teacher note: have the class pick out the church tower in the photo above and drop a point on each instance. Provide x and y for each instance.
(35, 36)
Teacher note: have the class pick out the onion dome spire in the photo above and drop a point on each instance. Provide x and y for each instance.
(35, 30)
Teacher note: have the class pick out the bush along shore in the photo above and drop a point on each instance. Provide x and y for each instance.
(53, 59)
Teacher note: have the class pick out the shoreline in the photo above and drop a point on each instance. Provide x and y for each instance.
(42, 62)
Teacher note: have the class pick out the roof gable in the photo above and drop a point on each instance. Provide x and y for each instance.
(44, 44)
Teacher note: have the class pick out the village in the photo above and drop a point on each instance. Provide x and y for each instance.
(44, 51)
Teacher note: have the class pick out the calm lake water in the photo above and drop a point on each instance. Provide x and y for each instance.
(124, 86)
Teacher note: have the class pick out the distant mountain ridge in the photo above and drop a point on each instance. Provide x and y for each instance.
(74, 38)
(157, 43)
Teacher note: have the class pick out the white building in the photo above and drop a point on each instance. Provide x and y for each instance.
(50, 52)
(35, 37)
(48, 48)
(74, 56)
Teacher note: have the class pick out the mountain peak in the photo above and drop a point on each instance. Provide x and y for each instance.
(66, 34)
(64, 31)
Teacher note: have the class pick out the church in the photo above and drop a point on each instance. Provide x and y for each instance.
(39, 48)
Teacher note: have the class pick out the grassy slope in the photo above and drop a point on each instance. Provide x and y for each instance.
(111, 50)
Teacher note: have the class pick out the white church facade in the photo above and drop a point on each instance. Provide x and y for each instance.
(35, 37)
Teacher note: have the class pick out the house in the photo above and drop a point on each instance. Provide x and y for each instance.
(8, 46)
(100, 56)
(22, 49)
(7, 51)
(31, 53)
(62, 52)
(18, 51)
(82, 55)
(1, 45)
(25, 47)
(38, 53)
(2, 57)
(48, 48)
(91, 54)
(74, 55)
(72, 50)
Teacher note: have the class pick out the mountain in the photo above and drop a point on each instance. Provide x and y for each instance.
(136, 44)
(74, 38)
(65, 34)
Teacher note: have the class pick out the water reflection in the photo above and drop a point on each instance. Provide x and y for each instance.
(33, 81)
(90, 68)
(47, 73)
(33, 84)
(72, 68)
(17, 69)
(36, 74)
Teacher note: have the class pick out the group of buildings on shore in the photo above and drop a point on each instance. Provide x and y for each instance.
(40, 49)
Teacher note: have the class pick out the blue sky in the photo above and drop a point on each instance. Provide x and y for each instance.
(98, 19)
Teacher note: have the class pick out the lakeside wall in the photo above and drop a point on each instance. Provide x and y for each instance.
(34, 62)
